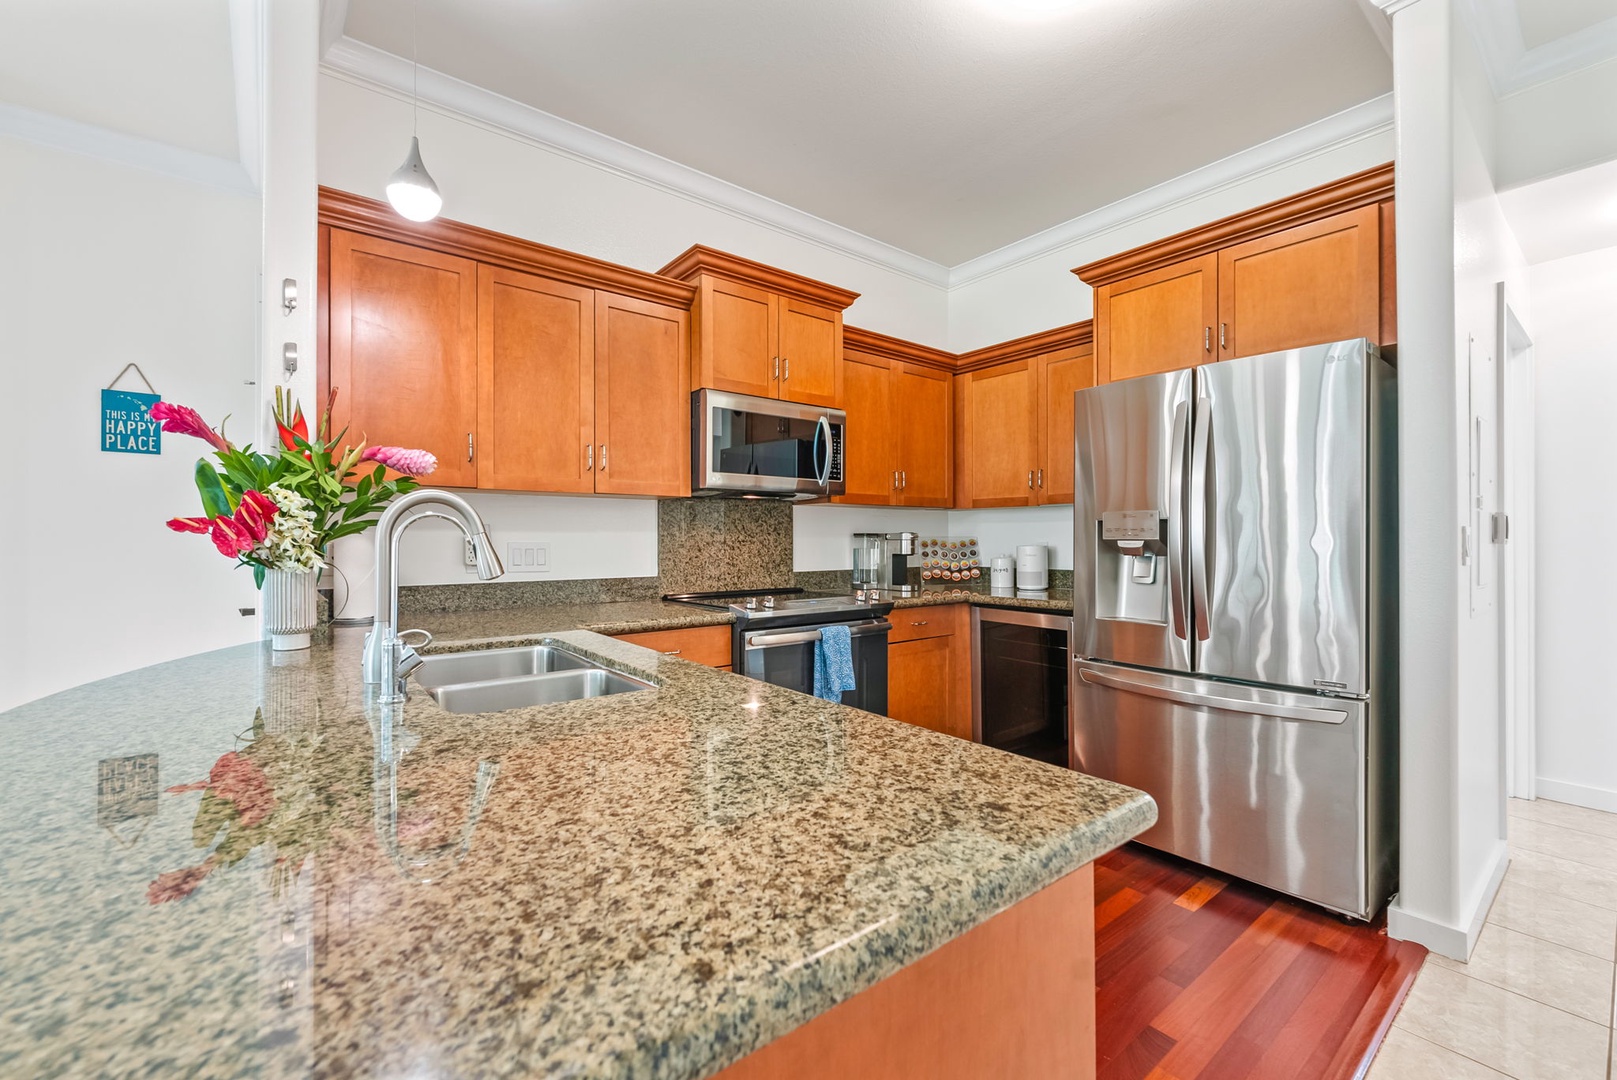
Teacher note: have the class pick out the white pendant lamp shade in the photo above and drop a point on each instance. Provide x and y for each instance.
(411, 190)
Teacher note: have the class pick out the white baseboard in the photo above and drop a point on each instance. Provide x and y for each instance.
(1454, 940)
(1594, 798)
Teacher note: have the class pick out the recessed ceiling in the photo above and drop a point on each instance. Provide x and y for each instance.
(1544, 21)
(159, 69)
(1564, 215)
(948, 128)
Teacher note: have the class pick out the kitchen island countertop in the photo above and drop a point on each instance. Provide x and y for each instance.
(232, 864)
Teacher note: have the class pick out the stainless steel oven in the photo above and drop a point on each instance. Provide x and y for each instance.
(785, 657)
(763, 448)
(1019, 669)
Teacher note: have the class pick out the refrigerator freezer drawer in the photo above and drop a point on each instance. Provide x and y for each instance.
(1266, 785)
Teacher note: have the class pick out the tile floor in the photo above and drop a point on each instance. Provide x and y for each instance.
(1535, 1002)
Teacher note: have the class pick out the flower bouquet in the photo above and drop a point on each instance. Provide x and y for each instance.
(279, 512)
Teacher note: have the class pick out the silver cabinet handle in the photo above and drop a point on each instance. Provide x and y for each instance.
(1207, 339)
(673, 652)
(1146, 687)
(1176, 521)
(1041, 478)
(603, 457)
(1198, 517)
(903, 479)
(589, 456)
(1030, 479)
(920, 622)
(785, 368)
(468, 446)
(895, 479)
(775, 372)
(1223, 335)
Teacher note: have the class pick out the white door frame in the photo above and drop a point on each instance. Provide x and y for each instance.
(1517, 662)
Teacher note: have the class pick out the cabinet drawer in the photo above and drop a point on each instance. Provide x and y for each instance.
(913, 624)
(708, 645)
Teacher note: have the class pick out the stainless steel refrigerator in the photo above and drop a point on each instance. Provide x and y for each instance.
(1235, 612)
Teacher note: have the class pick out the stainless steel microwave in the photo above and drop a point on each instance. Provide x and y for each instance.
(763, 448)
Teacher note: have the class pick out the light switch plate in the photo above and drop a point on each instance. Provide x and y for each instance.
(527, 557)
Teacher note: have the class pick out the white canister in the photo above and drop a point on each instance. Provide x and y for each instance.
(1002, 572)
(1033, 567)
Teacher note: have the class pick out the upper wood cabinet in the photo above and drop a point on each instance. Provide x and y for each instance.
(1306, 270)
(1013, 418)
(761, 331)
(403, 349)
(642, 397)
(899, 442)
(523, 368)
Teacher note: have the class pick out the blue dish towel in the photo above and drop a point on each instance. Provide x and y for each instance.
(833, 663)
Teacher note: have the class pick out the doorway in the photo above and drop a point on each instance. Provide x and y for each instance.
(1513, 539)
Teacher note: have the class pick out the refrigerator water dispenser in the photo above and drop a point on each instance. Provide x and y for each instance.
(1130, 566)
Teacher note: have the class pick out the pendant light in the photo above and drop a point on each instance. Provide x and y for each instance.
(410, 189)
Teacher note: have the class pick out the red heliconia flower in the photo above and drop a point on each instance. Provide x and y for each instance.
(298, 429)
(239, 782)
(401, 460)
(231, 539)
(180, 420)
(190, 525)
(177, 884)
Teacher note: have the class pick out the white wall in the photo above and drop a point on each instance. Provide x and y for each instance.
(1575, 344)
(104, 264)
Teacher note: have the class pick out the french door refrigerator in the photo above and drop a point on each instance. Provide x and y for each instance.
(1234, 614)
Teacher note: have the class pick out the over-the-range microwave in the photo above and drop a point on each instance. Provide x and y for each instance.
(762, 448)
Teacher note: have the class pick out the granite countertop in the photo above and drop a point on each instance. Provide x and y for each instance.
(980, 596)
(232, 864)
(517, 625)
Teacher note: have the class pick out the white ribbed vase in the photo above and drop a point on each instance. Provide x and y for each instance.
(289, 607)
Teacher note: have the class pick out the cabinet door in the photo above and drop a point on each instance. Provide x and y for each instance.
(738, 338)
(403, 350)
(1308, 285)
(1161, 320)
(642, 397)
(999, 442)
(870, 444)
(810, 353)
(535, 381)
(1061, 375)
(923, 414)
(918, 682)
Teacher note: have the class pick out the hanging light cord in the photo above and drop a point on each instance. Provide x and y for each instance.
(415, 66)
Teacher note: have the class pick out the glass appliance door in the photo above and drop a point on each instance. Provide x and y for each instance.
(1021, 660)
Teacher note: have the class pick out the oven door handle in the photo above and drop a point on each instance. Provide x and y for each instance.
(766, 640)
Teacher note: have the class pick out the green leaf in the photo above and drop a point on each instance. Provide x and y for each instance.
(258, 576)
(216, 500)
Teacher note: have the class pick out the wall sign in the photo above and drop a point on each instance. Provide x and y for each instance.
(126, 425)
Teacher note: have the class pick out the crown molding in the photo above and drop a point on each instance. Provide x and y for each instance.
(1072, 336)
(368, 66)
(333, 20)
(698, 260)
(60, 133)
(1364, 121)
(887, 347)
(1512, 67)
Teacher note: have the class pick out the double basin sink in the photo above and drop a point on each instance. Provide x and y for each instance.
(500, 679)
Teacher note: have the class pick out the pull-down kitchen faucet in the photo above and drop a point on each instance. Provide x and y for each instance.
(388, 661)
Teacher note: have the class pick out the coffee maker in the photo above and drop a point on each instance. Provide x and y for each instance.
(881, 562)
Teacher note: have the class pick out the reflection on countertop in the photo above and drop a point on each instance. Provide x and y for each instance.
(232, 864)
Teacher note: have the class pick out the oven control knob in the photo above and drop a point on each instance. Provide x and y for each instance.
(750, 603)
(769, 601)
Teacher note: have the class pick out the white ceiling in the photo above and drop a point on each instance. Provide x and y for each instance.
(1544, 21)
(157, 69)
(948, 128)
(1564, 215)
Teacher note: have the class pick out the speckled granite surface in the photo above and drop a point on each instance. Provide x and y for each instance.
(1052, 600)
(233, 865)
(519, 625)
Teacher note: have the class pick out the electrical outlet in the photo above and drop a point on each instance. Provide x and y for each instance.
(527, 557)
(471, 553)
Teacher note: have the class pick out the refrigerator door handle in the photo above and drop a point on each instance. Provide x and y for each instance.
(1145, 686)
(1176, 526)
(1198, 516)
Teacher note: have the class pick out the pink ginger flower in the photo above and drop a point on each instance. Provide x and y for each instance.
(401, 460)
(180, 420)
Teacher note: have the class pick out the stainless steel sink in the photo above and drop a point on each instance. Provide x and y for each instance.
(500, 679)
(469, 667)
(497, 695)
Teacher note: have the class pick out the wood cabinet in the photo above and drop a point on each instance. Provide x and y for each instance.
(929, 668)
(1313, 268)
(1013, 419)
(762, 331)
(708, 645)
(899, 441)
(521, 367)
(402, 347)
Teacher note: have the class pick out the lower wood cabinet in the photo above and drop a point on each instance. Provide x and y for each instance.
(708, 645)
(929, 668)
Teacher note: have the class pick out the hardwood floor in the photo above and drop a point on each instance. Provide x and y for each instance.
(1202, 977)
